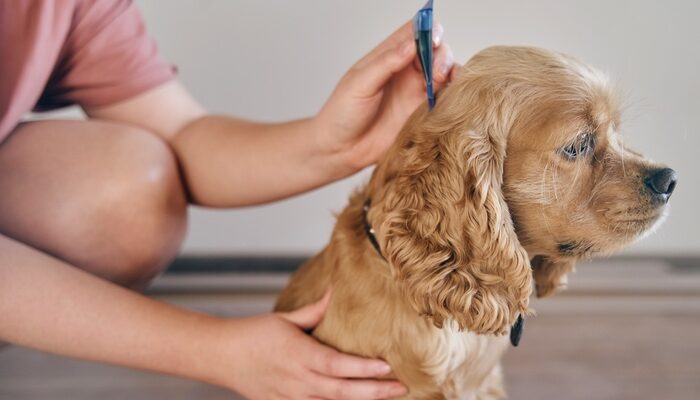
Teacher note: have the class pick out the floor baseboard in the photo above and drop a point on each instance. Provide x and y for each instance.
(234, 263)
(286, 264)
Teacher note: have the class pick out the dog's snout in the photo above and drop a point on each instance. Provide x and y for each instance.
(661, 182)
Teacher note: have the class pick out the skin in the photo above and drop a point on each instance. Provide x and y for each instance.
(94, 208)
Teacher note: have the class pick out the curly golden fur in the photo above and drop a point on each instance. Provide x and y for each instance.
(520, 160)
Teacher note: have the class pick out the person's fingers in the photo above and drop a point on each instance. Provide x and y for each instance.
(438, 33)
(442, 64)
(355, 389)
(456, 70)
(330, 362)
(371, 79)
(400, 36)
(309, 316)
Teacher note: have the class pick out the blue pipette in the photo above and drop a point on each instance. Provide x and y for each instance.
(423, 33)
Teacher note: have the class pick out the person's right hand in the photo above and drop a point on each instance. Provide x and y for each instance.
(271, 357)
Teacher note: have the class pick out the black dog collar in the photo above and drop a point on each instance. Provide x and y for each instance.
(516, 331)
(369, 230)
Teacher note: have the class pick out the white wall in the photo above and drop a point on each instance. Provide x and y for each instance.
(278, 59)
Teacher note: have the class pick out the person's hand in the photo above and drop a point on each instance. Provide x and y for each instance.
(271, 357)
(376, 96)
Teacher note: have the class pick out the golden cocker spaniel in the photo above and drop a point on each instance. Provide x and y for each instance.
(517, 173)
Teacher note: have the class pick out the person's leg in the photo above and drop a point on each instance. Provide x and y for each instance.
(104, 197)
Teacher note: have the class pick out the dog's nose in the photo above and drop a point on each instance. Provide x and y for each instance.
(661, 182)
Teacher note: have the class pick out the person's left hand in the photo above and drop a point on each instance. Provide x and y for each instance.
(371, 103)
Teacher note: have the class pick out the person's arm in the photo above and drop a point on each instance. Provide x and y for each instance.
(49, 305)
(272, 161)
(230, 162)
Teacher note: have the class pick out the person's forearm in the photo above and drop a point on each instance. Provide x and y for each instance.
(48, 305)
(229, 162)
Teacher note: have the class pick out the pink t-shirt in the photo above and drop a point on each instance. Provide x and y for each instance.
(86, 52)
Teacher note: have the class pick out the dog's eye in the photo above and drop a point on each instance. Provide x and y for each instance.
(583, 145)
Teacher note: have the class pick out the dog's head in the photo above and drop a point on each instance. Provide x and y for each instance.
(520, 159)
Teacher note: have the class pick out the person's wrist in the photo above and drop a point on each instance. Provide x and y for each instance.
(212, 353)
(335, 156)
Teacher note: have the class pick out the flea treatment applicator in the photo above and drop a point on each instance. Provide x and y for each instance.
(423, 32)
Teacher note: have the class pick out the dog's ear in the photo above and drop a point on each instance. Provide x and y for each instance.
(446, 228)
(551, 275)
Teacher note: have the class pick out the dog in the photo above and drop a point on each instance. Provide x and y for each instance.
(517, 173)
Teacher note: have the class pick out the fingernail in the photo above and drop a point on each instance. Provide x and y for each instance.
(437, 34)
(383, 368)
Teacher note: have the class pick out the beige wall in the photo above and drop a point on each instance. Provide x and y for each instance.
(275, 60)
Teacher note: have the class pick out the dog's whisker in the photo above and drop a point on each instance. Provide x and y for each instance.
(622, 156)
(555, 181)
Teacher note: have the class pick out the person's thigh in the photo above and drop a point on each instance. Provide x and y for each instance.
(104, 197)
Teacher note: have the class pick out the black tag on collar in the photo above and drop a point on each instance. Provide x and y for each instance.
(516, 331)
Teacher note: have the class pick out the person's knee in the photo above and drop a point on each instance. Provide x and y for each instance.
(140, 212)
(104, 197)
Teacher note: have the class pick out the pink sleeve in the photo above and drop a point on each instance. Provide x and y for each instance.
(108, 57)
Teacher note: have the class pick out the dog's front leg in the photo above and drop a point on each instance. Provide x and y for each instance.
(492, 387)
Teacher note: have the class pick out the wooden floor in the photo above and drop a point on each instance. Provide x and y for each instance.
(621, 332)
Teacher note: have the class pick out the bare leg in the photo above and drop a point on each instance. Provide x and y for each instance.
(104, 197)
